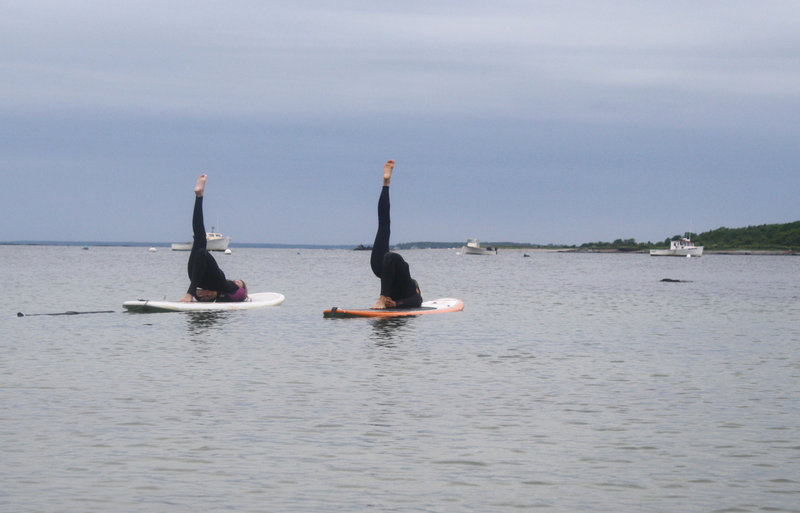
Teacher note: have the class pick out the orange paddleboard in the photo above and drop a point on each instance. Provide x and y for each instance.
(443, 305)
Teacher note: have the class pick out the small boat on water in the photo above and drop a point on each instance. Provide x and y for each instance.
(682, 247)
(215, 242)
(473, 247)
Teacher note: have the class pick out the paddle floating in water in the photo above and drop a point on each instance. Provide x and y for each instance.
(68, 312)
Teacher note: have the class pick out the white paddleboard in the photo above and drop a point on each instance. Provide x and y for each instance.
(257, 300)
(443, 305)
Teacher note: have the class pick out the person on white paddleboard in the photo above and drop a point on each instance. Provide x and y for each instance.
(398, 289)
(207, 282)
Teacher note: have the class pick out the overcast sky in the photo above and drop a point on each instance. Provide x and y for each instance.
(543, 122)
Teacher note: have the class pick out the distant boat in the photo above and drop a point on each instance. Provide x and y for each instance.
(214, 242)
(682, 247)
(362, 247)
(473, 247)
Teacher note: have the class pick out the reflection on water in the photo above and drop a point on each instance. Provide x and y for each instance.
(201, 322)
(384, 330)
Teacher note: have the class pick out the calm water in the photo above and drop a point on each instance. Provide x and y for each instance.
(570, 383)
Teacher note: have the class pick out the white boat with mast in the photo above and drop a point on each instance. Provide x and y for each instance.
(682, 247)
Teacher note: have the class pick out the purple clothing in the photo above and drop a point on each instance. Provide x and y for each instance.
(239, 295)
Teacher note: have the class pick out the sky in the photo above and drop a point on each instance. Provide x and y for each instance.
(556, 122)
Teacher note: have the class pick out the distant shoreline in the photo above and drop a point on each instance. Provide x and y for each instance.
(405, 246)
(124, 244)
(705, 252)
(646, 251)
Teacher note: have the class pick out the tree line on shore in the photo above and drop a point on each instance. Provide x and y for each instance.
(768, 237)
(775, 237)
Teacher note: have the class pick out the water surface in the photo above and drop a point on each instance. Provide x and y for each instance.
(570, 382)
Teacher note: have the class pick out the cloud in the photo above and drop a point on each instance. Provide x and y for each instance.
(241, 58)
(637, 99)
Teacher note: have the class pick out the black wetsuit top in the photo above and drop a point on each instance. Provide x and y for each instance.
(396, 281)
(203, 269)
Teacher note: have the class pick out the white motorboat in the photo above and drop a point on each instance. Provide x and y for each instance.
(214, 242)
(682, 247)
(473, 247)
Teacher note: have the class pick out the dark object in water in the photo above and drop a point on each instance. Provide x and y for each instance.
(68, 312)
(362, 247)
(670, 280)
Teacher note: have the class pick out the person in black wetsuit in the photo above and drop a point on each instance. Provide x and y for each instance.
(207, 282)
(398, 289)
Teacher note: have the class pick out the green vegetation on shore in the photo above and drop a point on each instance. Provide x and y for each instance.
(766, 237)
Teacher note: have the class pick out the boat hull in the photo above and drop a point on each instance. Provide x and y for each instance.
(473, 247)
(467, 250)
(217, 244)
(691, 252)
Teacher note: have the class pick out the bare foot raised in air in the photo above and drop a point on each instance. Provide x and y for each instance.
(387, 171)
(200, 186)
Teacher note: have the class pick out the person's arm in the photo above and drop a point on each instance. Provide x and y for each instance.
(192, 290)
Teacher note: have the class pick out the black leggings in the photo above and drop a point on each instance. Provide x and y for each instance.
(381, 245)
(203, 269)
(396, 281)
